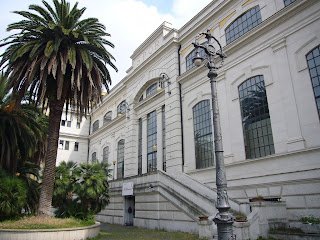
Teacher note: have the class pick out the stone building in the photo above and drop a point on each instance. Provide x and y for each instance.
(155, 126)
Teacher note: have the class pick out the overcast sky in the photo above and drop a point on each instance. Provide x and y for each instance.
(129, 22)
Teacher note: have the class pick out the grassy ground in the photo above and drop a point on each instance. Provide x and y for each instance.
(117, 232)
(44, 223)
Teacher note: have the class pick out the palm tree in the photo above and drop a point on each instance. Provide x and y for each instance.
(22, 131)
(61, 60)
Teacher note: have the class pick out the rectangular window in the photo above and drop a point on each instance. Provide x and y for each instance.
(78, 125)
(66, 146)
(76, 146)
(152, 141)
(63, 122)
(61, 144)
(120, 164)
(140, 147)
(68, 123)
(164, 165)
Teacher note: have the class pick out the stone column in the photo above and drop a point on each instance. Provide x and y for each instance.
(159, 139)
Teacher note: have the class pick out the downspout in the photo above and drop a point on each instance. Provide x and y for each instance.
(89, 140)
(181, 116)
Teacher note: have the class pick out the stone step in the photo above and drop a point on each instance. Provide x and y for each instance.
(294, 236)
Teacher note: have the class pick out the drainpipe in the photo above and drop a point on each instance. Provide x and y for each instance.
(181, 116)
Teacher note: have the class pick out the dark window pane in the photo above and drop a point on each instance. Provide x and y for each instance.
(313, 60)
(120, 159)
(255, 118)
(287, 2)
(243, 23)
(152, 141)
(95, 126)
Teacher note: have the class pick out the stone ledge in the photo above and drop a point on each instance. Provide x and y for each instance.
(80, 233)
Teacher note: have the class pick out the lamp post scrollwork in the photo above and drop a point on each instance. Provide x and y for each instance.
(223, 218)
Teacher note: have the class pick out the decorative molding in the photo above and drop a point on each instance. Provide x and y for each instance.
(247, 2)
(303, 50)
(226, 19)
(278, 45)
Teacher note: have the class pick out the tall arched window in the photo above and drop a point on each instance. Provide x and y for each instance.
(152, 141)
(95, 126)
(107, 117)
(152, 89)
(203, 134)
(313, 59)
(105, 154)
(94, 157)
(243, 24)
(120, 159)
(255, 118)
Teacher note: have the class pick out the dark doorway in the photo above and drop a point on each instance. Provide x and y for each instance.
(129, 210)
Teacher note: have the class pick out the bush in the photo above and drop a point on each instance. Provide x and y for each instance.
(82, 191)
(13, 197)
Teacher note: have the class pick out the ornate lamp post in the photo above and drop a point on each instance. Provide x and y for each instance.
(223, 218)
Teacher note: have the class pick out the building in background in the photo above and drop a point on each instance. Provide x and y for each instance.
(157, 133)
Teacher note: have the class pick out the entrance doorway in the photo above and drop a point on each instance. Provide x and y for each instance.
(129, 210)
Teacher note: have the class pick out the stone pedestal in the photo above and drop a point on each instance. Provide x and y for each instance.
(205, 229)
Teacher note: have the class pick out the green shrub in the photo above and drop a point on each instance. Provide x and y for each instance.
(311, 219)
(13, 197)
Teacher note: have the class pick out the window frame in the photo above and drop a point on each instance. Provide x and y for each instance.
(120, 158)
(95, 126)
(107, 117)
(151, 141)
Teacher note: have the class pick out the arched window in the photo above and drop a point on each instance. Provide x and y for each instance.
(152, 89)
(105, 154)
(120, 159)
(95, 126)
(255, 118)
(94, 157)
(288, 2)
(203, 139)
(152, 141)
(107, 117)
(313, 59)
(192, 54)
(122, 108)
(243, 24)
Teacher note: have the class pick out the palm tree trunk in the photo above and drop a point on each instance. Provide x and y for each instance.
(56, 107)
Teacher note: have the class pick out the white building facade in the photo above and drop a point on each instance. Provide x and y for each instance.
(160, 142)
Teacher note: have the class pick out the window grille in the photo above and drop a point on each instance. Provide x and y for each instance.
(313, 60)
(256, 122)
(203, 138)
(243, 24)
(120, 162)
(152, 141)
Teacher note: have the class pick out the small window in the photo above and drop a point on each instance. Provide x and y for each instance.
(288, 2)
(94, 157)
(78, 125)
(76, 146)
(95, 126)
(61, 144)
(107, 117)
(68, 123)
(243, 24)
(66, 146)
(152, 89)
(105, 155)
(63, 122)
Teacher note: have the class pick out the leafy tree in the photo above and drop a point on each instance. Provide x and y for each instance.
(81, 191)
(92, 187)
(23, 131)
(65, 178)
(13, 196)
(61, 60)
